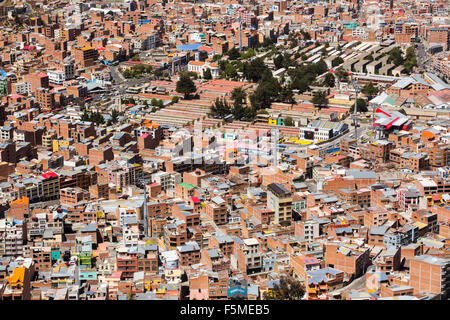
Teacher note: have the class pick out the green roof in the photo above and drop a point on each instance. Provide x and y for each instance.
(187, 185)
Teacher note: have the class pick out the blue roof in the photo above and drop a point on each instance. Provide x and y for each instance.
(189, 47)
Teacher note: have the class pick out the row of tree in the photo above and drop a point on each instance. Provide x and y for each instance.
(408, 62)
(288, 288)
(137, 71)
(95, 117)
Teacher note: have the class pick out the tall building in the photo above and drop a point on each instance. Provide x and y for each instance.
(279, 199)
(430, 274)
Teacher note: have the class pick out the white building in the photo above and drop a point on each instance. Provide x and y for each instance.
(253, 255)
(23, 87)
(167, 180)
(200, 68)
(146, 42)
(315, 134)
(311, 230)
(198, 37)
(56, 76)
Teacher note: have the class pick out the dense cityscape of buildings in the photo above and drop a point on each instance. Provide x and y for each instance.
(171, 150)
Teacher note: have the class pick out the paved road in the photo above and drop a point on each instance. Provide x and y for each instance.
(117, 76)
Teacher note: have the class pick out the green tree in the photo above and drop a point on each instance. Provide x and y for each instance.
(410, 60)
(263, 95)
(410, 64)
(321, 67)
(267, 42)
(410, 53)
(287, 289)
(230, 71)
(238, 111)
(238, 96)
(115, 116)
(158, 73)
(289, 122)
(268, 89)
(135, 58)
(286, 95)
(207, 74)
(233, 54)
(306, 36)
(342, 74)
(337, 61)
(139, 69)
(128, 74)
(300, 84)
(369, 90)
(85, 116)
(190, 74)
(294, 43)
(329, 80)
(319, 98)
(97, 118)
(175, 99)
(278, 61)
(361, 105)
(253, 71)
(395, 56)
(220, 108)
(248, 54)
(223, 64)
(185, 86)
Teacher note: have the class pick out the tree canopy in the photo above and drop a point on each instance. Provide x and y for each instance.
(95, 117)
(233, 54)
(319, 98)
(288, 289)
(185, 85)
(207, 74)
(220, 108)
(253, 71)
(361, 105)
(288, 121)
(337, 61)
(395, 56)
(267, 90)
(410, 60)
(238, 95)
(329, 80)
(369, 90)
